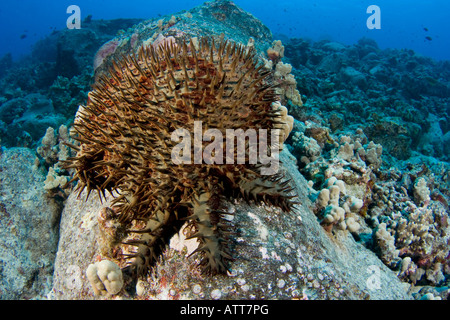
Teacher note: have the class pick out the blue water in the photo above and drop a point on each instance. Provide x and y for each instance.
(418, 25)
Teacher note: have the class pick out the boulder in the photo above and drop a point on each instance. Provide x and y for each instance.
(353, 76)
(29, 225)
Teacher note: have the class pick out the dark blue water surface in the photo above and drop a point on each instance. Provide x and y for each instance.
(418, 25)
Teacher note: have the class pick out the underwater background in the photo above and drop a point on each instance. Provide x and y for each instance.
(405, 24)
(369, 146)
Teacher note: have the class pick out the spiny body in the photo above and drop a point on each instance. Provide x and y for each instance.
(125, 144)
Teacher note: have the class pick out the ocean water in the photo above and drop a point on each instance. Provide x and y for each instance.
(418, 25)
(367, 88)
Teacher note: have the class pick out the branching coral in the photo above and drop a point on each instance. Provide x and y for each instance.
(48, 148)
(52, 150)
(276, 51)
(53, 180)
(287, 87)
(126, 131)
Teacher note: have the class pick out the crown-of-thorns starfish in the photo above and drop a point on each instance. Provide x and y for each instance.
(125, 144)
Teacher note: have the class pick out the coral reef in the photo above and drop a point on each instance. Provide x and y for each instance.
(391, 210)
(45, 89)
(287, 85)
(277, 256)
(369, 132)
(276, 51)
(398, 97)
(364, 122)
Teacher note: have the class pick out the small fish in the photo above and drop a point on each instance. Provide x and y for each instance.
(428, 38)
(23, 36)
(426, 29)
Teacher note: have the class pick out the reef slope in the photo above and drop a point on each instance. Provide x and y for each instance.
(277, 256)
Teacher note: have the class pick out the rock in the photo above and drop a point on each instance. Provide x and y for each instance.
(277, 256)
(336, 121)
(331, 63)
(394, 135)
(446, 144)
(366, 46)
(29, 224)
(77, 247)
(13, 109)
(214, 18)
(432, 142)
(333, 46)
(27, 119)
(380, 72)
(354, 76)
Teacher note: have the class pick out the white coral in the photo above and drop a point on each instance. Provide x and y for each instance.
(54, 180)
(334, 214)
(48, 149)
(386, 243)
(288, 87)
(346, 151)
(373, 154)
(323, 198)
(421, 191)
(105, 277)
(285, 118)
(352, 224)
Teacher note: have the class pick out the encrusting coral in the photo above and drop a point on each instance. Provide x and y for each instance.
(125, 133)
